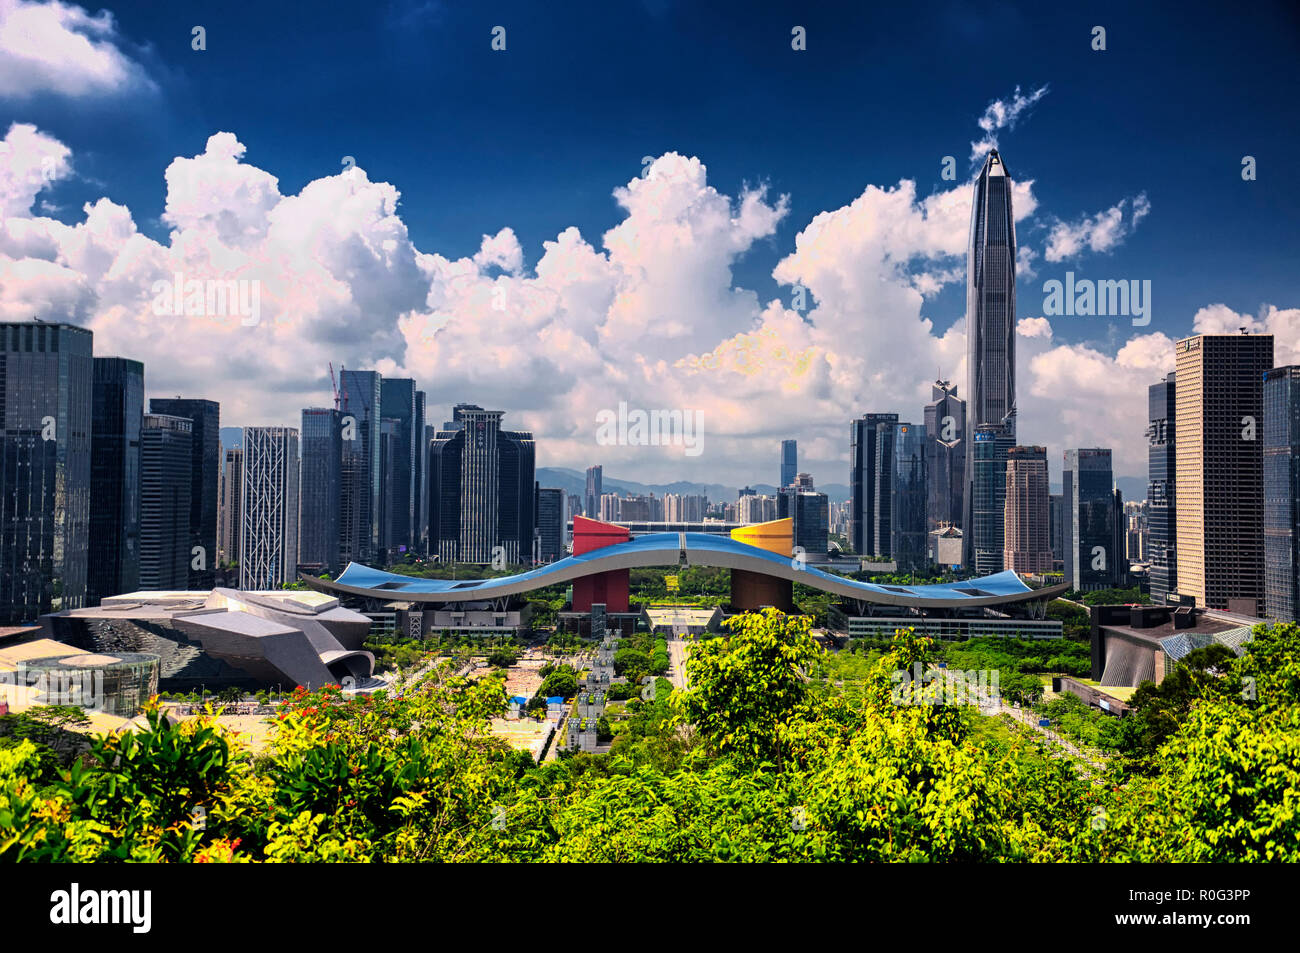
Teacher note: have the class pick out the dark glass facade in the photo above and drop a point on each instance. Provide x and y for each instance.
(46, 383)
(591, 503)
(398, 404)
(481, 489)
(990, 343)
(1281, 438)
(550, 524)
(789, 462)
(1161, 513)
(118, 408)
(205, 475)
(908, 497)
(359, 393)
(863, 495)
(985, 537)
(1093, 559)
(945, 456)
(166, 462)
(322, 489)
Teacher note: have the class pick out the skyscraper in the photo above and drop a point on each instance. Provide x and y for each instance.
(991, 298)
(1027, 532)
(1219, 484)
(113, 565)
(903, 446)
(550, 524)
(322, 489)
(983, 538)
(1091, 526)
(862, 484)
(232, 489)
(268, 543)
(46, 379)
(990, 339)
(398, 403)
(594, 492)
(359, 394)
(166, 482)
(204, 473)
(1056, 509)
(789, 461)
(1281, 463)
(420, 450)
(809, 511)
(945, 456)
(481, 488)
(1162, 559)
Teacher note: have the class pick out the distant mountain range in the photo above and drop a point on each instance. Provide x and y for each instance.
(575, 481)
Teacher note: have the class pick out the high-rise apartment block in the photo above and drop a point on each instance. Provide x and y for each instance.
(268, 544)
(1027, 531)
(863, 467)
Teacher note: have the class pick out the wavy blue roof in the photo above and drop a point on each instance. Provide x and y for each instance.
(665, 549)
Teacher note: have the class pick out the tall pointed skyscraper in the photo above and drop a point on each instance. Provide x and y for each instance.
(990, 329)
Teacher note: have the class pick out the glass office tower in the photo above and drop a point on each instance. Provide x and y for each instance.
(1281, 437)
(990, 336)
(322, 489)
(118, 409)
(205, 474)
(46, 380)
(1160, 490)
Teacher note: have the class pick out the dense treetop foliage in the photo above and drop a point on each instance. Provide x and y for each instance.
(765, 757)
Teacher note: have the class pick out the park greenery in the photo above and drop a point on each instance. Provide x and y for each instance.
(766, 756)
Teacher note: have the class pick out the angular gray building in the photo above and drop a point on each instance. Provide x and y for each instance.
(46, 382)
(114, 558)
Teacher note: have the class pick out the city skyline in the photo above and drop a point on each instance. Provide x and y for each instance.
(538, 303)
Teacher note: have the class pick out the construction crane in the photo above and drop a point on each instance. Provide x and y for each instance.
(334, 385)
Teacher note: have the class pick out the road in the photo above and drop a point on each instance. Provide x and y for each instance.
(677, 661)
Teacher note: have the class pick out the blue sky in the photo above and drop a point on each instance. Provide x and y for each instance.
(536, 138)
